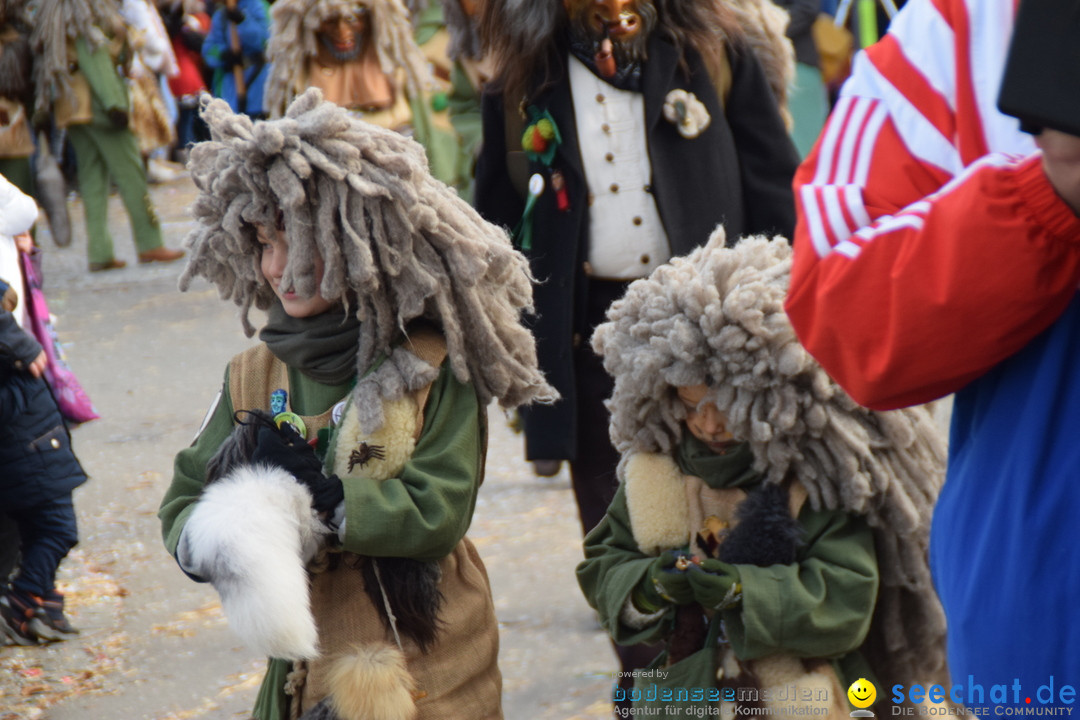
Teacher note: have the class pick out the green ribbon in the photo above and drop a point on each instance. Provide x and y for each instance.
(523, 230)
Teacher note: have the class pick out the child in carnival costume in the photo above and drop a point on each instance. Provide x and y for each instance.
(362, 54)
(393, 319)
(770, 531)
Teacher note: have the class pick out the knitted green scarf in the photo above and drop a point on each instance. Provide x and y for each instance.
(322, 347)
(732, 469)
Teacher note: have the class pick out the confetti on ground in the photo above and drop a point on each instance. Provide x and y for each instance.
(35, 678)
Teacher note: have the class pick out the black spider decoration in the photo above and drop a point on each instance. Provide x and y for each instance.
(365, 452)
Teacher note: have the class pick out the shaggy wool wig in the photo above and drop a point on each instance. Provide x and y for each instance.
(56, 22)
(293, 42)
(716, 317)
(397, 245)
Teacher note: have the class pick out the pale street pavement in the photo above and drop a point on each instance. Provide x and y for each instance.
(154, 645)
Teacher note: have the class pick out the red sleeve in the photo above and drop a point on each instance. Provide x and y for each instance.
(908, 284)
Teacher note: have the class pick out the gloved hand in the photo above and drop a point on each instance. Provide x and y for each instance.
(664, 584)
(715, 584)
(118, 117)
(235, 15)
(231, 58)
(284, 448)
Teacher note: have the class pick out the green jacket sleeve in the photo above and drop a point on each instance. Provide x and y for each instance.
(612, 568)
(189, 470)
(424, 513)
(820, 606)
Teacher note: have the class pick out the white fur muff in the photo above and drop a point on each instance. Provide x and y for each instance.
(250, 535)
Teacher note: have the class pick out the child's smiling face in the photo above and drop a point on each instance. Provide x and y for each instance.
(704, 420)
(274, 254)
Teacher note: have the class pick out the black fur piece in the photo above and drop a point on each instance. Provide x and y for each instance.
(766, 533)
(322, 711)
(238, 447)
(412, 587)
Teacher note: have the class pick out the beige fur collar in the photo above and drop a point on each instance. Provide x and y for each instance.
(656, 500)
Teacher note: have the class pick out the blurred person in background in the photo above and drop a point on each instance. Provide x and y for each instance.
(235, 50)
(81, 48)
(362, 54)
(187, 23)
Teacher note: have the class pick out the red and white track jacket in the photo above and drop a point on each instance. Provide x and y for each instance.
(930, 245)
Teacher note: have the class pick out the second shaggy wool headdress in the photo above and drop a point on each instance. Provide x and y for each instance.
(716, 317)
(293, 42)
(397, 245)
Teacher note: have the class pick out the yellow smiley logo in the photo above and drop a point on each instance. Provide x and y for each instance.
(862, 693)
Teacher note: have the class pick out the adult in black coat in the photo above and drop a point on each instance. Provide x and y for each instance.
(737, 172)
(38, 472)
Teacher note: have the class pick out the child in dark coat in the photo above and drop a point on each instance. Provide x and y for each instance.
(38, 469)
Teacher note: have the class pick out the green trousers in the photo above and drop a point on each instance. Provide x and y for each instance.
(102, 153)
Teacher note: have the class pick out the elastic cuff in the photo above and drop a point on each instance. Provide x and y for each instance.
(1043, 203)
(633, 616)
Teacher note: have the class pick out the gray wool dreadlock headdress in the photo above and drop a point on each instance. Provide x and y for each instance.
(293, 42)
(396, 244)
(55, 23)
(716, 317)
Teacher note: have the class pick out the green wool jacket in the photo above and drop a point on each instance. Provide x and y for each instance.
(821, 606)
(108, 91)
(423, 514)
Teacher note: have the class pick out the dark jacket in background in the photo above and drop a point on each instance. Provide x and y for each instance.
(738, 172)
(803, 14)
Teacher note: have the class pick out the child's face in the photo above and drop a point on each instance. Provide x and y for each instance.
(706, 422)
(275, 253)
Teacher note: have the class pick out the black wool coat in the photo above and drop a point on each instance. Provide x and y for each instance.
(738, 173)
(37, 463)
